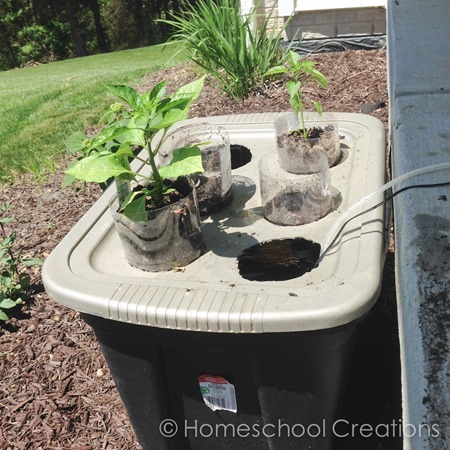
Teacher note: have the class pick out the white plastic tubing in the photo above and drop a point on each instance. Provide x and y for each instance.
(345, 215)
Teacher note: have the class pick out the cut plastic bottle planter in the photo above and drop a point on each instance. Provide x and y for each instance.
(294, 199)
(296, 153)
(214, 185)
(281, 342)
(170, 238)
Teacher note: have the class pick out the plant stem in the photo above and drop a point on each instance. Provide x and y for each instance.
(302, 119)
(11, 255)
(158, 181)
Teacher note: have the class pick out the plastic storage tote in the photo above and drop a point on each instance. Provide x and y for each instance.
(208, 357)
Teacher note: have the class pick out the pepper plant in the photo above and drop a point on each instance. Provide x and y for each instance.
(140, 124)
(302, 72)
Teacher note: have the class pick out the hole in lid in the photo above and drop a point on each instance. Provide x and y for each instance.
(240, 155)
(343, 154)
(278, 260)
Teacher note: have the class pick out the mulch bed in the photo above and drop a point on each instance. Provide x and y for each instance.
(56, 391)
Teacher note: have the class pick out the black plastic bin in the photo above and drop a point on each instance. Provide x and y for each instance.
(287, 385)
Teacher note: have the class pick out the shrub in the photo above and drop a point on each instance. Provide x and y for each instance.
(36, 44)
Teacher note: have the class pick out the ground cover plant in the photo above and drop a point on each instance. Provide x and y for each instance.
(14, 280)
(42, 105)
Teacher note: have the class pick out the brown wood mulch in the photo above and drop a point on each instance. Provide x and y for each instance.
(56, 391)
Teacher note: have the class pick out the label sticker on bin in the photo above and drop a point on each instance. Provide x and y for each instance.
(218, 393)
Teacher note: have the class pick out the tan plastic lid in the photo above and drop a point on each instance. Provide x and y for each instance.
(88, 272)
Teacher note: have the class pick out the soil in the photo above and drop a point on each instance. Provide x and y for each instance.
(212, 183)
(277, 260)
(297, 154)
(181, 189)
(56, 391)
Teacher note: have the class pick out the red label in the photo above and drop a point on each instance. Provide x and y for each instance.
(211, 379)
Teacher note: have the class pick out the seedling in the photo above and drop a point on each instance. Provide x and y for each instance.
(302, 72)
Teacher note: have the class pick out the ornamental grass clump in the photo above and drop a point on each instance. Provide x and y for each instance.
(232, 47)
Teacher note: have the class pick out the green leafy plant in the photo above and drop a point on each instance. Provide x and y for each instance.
(301, 72)
(229, 45)
(110, 153)
(14, 281)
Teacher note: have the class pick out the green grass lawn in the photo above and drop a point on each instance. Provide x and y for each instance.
(42, 105)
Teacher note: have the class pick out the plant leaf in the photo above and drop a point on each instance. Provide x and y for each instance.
(74, 143)
(124, 150)
(164, 121)
(167, 104)
(185, 161)
(158, 91)
(191, 90)
(68, 180)
(294, 59)
(135, 210)
(277, 70)
(3, 315)
(135, 136)
(32, 261)
(295, 96)
(126, 93)
(320, 78)
(107, 135)
(97, 168)
(8, 240)
(8, 303)
(129, 198)
(293, 88)
(24, 280)
(318, 107)
(108, 118)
